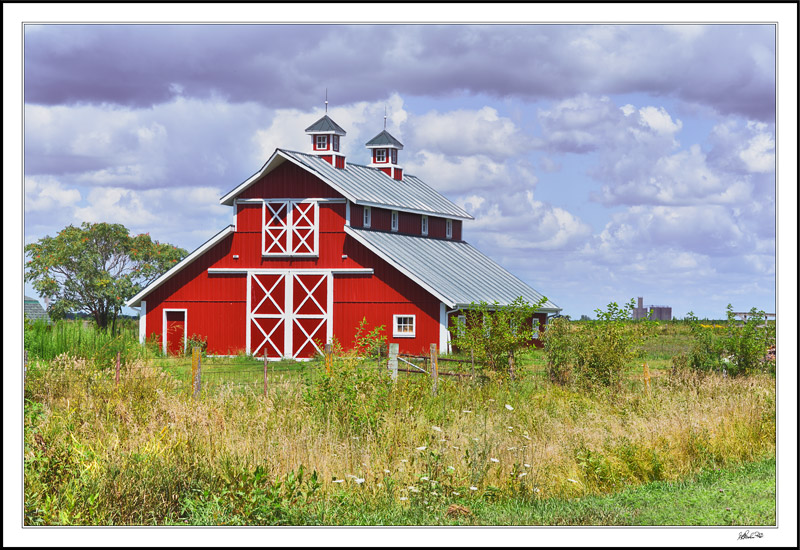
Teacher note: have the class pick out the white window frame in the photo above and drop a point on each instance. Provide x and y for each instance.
(290, 227)
(462, 325)
(395, 220)
(449, 230)
(321, 143)
(535, 325)
(380, 155)
(367, 216)
(424, 222)
(396, 333)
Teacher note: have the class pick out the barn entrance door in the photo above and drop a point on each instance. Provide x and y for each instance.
(289, 313)
(174, 331)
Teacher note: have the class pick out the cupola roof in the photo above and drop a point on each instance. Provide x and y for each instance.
(384, 139)
(325, 125)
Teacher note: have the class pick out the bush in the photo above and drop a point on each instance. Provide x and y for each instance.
(558, 346)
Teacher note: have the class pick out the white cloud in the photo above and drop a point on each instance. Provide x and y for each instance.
(46, 193)
(760, 154)
(659, 120)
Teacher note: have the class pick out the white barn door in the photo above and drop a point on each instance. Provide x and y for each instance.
(289, 313)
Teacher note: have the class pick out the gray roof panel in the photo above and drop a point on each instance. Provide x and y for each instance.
(455, 272)
(365, 185)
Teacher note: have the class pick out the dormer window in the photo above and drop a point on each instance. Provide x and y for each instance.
(395, 220)
(380, 155)
(367, 216)
(424, 225)
(449, 230)
(322, 142)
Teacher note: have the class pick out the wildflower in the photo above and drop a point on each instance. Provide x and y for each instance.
(523, 474)
(511, 449)
(424, 478)
(413, 489)
(422, 448)
(527, 465)
(571, 480)
(387, 472)
(526, 437)
(338, 481)
(473, 488)
(359, 480)
(451, 468)
(491, 400)
(436, 428)
(509, 407)
(466, 411)
(403, 498)
(456, 493)
(535, 489)
(494, 460)
(403, 460)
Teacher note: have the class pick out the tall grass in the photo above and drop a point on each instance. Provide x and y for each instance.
(144, 452)
(45, 341)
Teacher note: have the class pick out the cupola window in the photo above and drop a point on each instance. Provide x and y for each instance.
(336, 143)
(322, 142)
(380, 155)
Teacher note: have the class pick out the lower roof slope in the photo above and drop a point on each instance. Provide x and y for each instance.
(455, 272)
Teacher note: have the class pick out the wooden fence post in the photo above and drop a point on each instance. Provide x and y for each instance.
(434, 368)
(116, 378)
(265, 372)
(394, 349)
(195, 371)
(328, 359)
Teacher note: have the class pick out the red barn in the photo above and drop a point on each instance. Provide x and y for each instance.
(317, 244)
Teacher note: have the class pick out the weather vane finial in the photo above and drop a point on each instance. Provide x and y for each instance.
(384, 117)
(326, 100)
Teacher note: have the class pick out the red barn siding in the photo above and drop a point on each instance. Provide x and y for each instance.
(291, 182)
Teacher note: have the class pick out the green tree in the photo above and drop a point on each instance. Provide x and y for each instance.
(495, 333)
(94, 268)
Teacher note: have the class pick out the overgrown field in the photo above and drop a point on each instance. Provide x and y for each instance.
(353, 448)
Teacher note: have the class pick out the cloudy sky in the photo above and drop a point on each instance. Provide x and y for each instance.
(600, 162)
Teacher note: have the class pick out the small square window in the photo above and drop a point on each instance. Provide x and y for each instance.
(449, 232)
(404, 326)
(424, 225)
(367, 216)
(380, 155)
(395, 220)
(322, 142)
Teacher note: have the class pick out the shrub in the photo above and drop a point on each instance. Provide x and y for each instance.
(558, 346)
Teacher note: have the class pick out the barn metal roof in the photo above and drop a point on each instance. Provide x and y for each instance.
(325, 125)
(34, 309)
(384, 139)
(364, 185)
(453, 271)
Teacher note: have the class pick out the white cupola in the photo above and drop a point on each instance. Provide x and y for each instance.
(325, 135)
(384, 154)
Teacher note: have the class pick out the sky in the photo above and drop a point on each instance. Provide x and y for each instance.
(600, 162)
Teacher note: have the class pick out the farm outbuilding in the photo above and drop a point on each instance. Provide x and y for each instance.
(316, 245)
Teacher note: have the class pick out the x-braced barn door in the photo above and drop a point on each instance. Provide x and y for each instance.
(289, 313)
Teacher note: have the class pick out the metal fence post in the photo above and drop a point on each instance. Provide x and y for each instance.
(328, 359)
(195, 371)
(434, 368)
(394, 349)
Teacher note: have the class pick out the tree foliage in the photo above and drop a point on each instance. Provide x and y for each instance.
(94, 268)
(494, 333)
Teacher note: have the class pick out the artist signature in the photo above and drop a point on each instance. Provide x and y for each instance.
(749, 535)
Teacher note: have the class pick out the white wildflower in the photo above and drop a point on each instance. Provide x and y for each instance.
(456, 493)
(466, 411)
(424, 478)
(509, 407)
(526, 437)
(403, 460)
(403, 498)
(451, 468)
(413, 489)
(511, 449)
(523, 474)
(359, 480)
(491, 400)
(422, 448)
(527, 465)
(387, 472)
(494, 460)
(473, 488)
(338, 481)
(536, 490)
(571, 480)
(436, 428)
